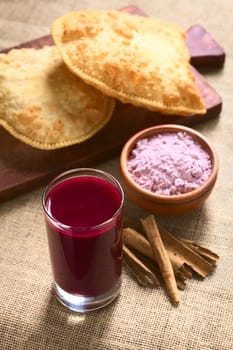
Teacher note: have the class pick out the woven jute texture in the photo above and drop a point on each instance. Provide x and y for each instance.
(30, 316)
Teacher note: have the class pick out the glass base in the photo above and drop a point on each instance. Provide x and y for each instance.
(80, 303)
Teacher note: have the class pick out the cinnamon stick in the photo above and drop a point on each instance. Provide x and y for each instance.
(204, 252)
(137, 241)
(140, 270)
(161, 257)
(176, 247)
(185, 256)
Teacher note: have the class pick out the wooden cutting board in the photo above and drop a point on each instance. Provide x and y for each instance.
(22, 167)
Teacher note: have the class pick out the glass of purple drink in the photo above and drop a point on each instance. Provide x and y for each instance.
(83, 215)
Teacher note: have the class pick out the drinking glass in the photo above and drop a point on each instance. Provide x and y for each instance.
(83, 211)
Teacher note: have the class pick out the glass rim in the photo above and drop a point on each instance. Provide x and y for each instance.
(75, 173)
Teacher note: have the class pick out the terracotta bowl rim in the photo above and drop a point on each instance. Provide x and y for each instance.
(169, 199)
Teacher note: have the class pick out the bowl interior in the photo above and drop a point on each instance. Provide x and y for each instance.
(189, 196)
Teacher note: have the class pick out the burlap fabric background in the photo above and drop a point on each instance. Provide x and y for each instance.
(30, 316)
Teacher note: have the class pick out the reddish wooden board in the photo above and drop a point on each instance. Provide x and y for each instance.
(22, 167)
(204, 49)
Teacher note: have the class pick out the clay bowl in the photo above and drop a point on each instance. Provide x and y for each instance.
(176, 204)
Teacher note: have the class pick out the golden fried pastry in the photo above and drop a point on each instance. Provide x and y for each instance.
(45, 105)
(138, 60)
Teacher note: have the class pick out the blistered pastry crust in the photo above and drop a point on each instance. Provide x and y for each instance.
(45, 105)
(137, 60)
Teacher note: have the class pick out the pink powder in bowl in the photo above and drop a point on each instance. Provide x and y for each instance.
(170, 163)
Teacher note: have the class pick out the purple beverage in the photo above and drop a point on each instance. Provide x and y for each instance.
(83, 218)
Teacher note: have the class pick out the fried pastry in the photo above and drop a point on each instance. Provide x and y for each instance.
(138, 60)
(45, 105)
